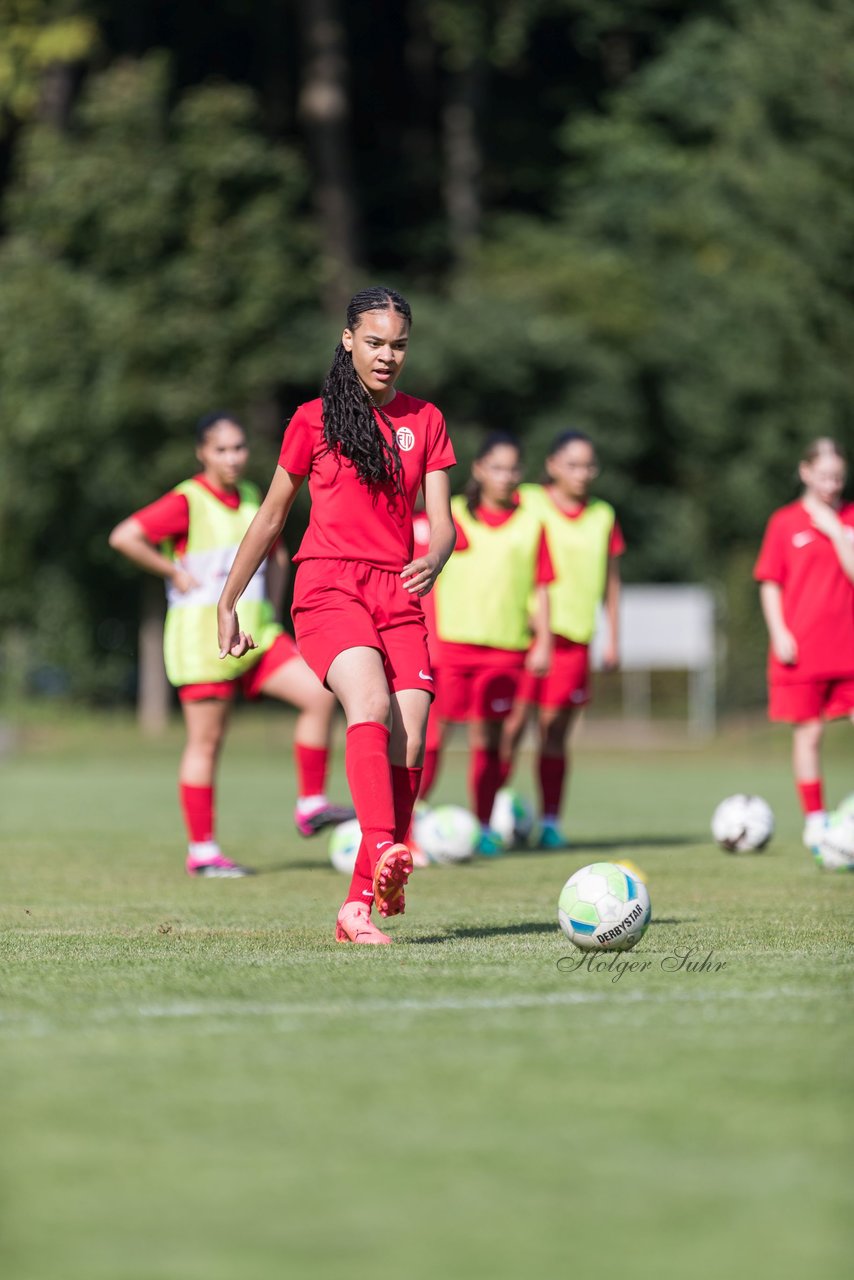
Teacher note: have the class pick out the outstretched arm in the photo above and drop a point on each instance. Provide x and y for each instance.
(419, 575)
(257, 540)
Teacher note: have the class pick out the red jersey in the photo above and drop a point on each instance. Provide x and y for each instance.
(351, 520)
(169, 516)
(817, 597)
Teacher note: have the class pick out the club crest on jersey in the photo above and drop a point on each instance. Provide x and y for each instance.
(405, 438)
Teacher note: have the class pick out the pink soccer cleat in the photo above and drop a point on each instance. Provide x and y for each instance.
(354, 924)
(309, 821)
(217, 867)
(391, 873)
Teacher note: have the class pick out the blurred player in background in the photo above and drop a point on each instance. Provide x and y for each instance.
(367, 451)
(585, 543)
(483, 618)
(189, 537)
(806, 575)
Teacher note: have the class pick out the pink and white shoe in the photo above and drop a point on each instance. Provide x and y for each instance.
(310, 819)
(216, 867)
(354, 924)
(390, 876)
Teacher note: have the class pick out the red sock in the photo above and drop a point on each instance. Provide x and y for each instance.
(812, 796)
(405, 783)
(428, 773)
(552, 773)
(369, 775)
(311, 765)
(198, 806)
(484, 781)
(362, 883)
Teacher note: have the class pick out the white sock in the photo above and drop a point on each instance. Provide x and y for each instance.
(204, 850)
(310, 804)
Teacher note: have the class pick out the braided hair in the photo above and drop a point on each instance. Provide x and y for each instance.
(349, 426)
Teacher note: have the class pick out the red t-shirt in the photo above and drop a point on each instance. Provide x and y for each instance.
(350, 520)
(616, 541)
(495, 519)
(169, 516)
(817, 597)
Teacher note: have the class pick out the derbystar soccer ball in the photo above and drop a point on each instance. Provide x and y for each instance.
(448, 833)
(603, 908)
(742, 822)
(512, 817)
(344, 846)
(835, 849)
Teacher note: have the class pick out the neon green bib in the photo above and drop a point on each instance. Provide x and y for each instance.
(579, 552)
(482, 593)
(190, 639)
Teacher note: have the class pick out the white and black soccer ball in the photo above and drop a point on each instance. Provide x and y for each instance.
(513, 818)
(448, 833)
(742, 822)
(835, 849)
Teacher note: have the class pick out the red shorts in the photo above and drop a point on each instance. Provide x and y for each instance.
(480, 684)
(282, 650)
(344, 604)
(568, 681)
(811, 700)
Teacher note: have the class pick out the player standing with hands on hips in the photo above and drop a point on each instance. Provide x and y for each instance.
(189, 537)
(806, 575)
(366, 450)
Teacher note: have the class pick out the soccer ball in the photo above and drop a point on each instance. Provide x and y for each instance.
(742, 822)
(344, 846)
(448, 833)
(512, 817)
(603, 908)
(835, 849)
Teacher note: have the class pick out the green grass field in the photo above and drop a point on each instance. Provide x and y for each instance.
(198, 1084)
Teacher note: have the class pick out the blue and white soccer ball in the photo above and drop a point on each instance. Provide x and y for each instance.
(604, 908)
(743, 822)
(448, 833)
(344, 846)
(835, 849)
(513, 818)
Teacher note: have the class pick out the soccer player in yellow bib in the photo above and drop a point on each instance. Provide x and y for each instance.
(189, 537)
(483, 619)
(585, 543)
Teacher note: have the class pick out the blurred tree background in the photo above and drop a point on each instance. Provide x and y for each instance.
(631, 216)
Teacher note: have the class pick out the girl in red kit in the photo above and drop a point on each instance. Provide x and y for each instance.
(366, 450)
(501, 566)
(806, 575)
(189, 537)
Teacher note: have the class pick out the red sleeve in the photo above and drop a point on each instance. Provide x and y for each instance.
(440, 451)
(168, 517)
(462, 541)
(771, 565)
(299, 443)
(545, 568)
(617, 543)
